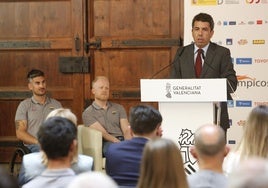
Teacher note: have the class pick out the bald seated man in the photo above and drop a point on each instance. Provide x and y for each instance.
(209, 150)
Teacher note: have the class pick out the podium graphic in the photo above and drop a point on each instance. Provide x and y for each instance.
(185, 104)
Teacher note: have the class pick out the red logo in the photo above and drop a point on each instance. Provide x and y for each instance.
(259, 22)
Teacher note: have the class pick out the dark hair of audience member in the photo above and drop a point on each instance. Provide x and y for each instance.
(144, 119)
(60, 136)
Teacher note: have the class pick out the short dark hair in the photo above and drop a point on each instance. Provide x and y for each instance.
(204, 17)
(144, 119)
(35, 73)
(56, 135)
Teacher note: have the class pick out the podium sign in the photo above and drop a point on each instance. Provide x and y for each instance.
(185, 104)
(183, 90)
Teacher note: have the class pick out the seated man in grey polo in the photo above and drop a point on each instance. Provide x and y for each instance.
(32, 112)
(107, 117)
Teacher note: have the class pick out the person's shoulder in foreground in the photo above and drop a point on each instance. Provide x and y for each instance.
(84, 163)
(207, 178)
(252, 172)
(92, 180)
(31, 167)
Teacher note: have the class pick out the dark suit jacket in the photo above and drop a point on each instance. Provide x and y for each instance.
(218, 64)
(123, 161)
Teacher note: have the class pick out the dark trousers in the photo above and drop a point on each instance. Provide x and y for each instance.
(106, 144)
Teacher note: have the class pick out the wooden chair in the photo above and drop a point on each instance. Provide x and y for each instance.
(90, 143)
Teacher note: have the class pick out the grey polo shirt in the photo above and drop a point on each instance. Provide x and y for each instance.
(52, 178)
(35, 113)
(207, 178)
(109, 119)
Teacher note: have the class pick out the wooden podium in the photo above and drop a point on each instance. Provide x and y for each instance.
(185, 104)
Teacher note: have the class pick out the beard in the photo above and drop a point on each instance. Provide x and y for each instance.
(102, 97)
(40, 93)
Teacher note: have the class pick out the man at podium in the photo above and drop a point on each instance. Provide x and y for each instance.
(205, 59)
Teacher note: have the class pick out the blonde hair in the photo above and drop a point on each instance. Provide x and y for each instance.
(99, 78)
(162, 165)
(65, 113)
(254, 141)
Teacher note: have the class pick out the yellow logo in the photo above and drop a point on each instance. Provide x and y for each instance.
(258, 41)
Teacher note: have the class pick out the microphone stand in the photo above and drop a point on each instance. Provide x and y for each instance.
(169, 65)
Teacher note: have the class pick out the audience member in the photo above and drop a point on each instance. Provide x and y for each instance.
(31, 112)
(93, 180)
(253, 142)
(155, 173)
(6, 180)
(252, 172)
(108, 117)
(123, 158)
(209, 149)
(58, 139)
(34, 164)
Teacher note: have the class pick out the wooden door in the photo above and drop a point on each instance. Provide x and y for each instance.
(34, 34)
(130, 40)
(127, 40)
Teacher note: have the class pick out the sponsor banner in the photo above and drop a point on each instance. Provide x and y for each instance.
(245, 34)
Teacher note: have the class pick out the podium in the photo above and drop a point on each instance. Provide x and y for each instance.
(185, 104)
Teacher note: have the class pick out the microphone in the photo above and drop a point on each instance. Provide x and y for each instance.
(234, 96)
(169, 65)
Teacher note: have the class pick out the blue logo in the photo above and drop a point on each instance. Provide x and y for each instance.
(229, 41)
(232, 22)
(243, 103)
(243, 61)
(231, 142)
(230, 103)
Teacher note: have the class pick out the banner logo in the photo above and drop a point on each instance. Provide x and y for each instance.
(244, 61)
(168, 90)
(186, 141)
(242, 42)
(258, 41)
(243, 103)
(253, 1)
(248, 82)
